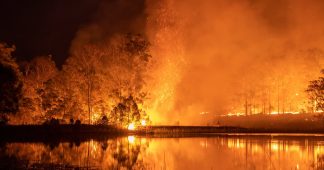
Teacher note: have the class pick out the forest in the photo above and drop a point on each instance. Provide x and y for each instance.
(174, 72)
(98, 84)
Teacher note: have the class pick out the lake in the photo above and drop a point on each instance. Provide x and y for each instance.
(258, 151)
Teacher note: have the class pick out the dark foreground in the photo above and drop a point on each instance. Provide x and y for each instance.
(158, 147)
(160, 150)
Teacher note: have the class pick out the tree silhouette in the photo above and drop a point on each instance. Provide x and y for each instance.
(315, 91)
(10, 82)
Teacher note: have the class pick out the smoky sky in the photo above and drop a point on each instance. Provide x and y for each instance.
(42, 27)
(111, 18)
(219, 50)
(206, 51)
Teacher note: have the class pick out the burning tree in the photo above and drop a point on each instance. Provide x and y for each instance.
(83, 69)
(57, 100)
(126, 111)
(315, 91)
(36, 75)
(128, 73)
(110, 78)
(104, 81)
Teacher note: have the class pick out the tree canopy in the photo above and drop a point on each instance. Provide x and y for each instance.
(315, 91)
(99, 82)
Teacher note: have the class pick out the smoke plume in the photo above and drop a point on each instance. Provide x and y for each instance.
(209, 56)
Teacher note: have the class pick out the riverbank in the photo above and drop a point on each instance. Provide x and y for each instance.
(84, 132)
(59, 133)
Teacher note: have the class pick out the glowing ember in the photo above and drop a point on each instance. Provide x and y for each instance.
(234, 114)
(131, 126)
(143, 122)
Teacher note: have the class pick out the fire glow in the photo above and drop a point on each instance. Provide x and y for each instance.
(131, 126)
(143, 122)
(174, 70)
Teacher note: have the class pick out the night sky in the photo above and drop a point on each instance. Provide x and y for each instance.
(42, 27)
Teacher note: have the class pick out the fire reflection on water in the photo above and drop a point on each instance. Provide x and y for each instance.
(133, 152)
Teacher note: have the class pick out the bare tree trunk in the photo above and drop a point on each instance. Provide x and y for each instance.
(278, 97)
(269, 100)
(283, 106)
(264, 103)
(89, 95)
(38, 81)
(89, 100)
(246, 105)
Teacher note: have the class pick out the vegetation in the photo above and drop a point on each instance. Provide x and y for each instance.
(98, 84)
(105, 83)
(10, 83)
(315, 91)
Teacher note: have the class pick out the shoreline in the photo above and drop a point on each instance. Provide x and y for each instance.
(83, 132)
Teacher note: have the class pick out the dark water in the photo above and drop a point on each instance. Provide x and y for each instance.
(135, 152)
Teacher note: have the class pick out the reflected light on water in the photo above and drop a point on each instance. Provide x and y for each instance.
(130, 152)
(274, 146)
(131, 139)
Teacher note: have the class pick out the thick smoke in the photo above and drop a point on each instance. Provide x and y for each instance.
(235, 46)
(113, 17)
(208, 53)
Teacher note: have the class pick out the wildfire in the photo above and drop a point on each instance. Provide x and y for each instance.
(235, 114)
(131, 126)
(272, 113)
(143, 122)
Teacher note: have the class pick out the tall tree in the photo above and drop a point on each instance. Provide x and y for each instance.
(315, 91)
(105, 74)
(36, 73)
(83, 67)
(128, 68)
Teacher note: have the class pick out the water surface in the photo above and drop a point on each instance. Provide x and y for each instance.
(228, 152)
